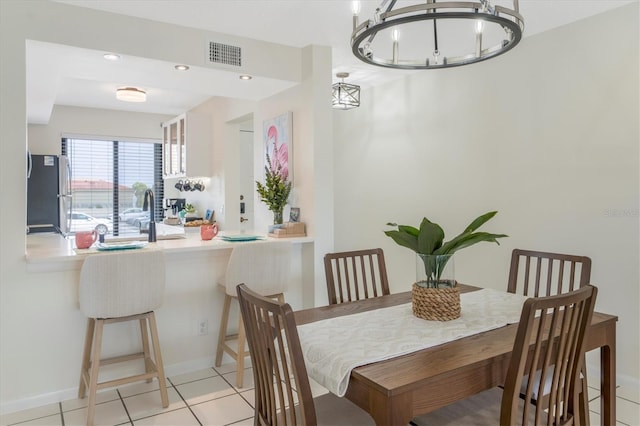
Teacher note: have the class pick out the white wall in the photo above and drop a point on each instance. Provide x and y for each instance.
(547, 134)
(45, 139)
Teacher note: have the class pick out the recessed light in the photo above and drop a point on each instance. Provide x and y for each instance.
(245, 77)
(111, 56)
(182, 67)
(131, 94)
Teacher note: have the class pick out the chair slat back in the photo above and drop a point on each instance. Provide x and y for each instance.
(277, 360)
(537, 274)
(550, 342)
(355, 275)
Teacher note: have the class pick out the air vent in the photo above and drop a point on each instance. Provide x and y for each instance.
(225, 54)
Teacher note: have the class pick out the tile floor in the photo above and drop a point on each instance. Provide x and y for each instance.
(208, 397)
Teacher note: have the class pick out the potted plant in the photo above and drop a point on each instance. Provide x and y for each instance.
(435, 263)
(275, 190)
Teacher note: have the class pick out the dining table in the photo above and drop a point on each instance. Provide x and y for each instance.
(395, 390)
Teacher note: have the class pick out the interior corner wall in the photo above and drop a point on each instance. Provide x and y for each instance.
(547, 134)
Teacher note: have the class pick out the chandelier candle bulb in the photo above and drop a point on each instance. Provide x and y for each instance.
(394, 37)
(355, 8)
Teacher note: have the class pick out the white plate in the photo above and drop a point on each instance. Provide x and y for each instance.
(120, 245)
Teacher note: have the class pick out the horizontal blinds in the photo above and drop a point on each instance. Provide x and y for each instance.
(109, 178)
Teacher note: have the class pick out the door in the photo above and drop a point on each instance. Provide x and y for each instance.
(246, 177)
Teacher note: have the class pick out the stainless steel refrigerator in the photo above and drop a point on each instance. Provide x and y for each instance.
(48, 194)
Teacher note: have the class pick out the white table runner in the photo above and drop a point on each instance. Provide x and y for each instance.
(333, 347)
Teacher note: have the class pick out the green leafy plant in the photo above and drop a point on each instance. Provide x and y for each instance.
(275, 190)
(189, 208)
(428, 241)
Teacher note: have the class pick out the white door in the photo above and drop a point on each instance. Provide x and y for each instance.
(247, 185)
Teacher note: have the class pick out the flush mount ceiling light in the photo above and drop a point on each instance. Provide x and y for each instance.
(345, 96)
(182, 67)
(446, 33)
(245, 77)
(131, 94)
(111, 56)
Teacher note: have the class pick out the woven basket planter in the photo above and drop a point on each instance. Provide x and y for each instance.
(436, 304)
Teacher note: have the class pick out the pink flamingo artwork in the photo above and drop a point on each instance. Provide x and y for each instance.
(279, 153)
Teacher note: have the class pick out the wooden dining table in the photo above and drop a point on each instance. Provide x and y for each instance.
(396, 390)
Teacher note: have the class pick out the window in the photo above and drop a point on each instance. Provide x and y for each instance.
(108, 182)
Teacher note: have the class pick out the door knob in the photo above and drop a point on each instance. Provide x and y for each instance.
(242, 219)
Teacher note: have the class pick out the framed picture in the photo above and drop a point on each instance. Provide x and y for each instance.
(278, 146)
(294, 215)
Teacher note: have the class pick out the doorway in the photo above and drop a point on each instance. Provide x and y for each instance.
(246, 179)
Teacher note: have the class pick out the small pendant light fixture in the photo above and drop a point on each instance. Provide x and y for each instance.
(345, 96)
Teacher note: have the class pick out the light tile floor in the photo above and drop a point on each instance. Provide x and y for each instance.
(209, 397)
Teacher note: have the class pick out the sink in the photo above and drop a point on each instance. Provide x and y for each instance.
(163, 232)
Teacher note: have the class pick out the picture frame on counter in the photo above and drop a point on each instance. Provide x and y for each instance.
(294, 214)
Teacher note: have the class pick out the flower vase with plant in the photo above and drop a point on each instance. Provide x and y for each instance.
(275, 190)
(428, 242)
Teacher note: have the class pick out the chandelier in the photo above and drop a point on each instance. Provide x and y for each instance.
(345, 96)
(446, 33)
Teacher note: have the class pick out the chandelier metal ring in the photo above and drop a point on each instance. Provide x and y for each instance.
(510, 20)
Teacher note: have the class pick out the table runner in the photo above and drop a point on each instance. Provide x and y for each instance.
(333, 347)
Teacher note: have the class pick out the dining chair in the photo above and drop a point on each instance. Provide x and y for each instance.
(119, 287)
(265, 267)
(282, 390)
(538, 273)
(355, 275)
(549, 342)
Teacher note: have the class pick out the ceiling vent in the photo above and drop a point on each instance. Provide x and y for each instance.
(225, 54)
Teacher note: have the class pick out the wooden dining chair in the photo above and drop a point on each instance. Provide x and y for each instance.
(282, 390)
(538, 273)
(355, 275)
(550, 342)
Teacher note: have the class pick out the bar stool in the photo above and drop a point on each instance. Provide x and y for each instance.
(265, 267)
(117, 287)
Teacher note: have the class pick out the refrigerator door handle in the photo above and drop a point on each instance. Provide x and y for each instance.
(29, 164)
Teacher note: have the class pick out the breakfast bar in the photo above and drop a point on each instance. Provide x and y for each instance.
(189, 317)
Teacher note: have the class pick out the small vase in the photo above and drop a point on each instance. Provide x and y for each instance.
(435, 271)
(277, 217)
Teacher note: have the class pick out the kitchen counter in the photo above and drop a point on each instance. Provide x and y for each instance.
(53, 252)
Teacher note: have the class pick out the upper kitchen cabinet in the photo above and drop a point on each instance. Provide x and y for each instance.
(185, 146)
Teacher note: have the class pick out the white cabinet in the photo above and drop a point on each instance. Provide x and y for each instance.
(185, 146)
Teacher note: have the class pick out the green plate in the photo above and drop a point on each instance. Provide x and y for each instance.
(242, 237)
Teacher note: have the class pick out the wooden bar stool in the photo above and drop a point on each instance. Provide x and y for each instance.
(265, 267)
(117, 287)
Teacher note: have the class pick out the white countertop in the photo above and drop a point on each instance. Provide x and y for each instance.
(54, 252)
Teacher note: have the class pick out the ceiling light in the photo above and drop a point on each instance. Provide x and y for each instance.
(131, 94)
(245, 77)
(111, 56)
(453, 33)
(182, 67)
(345, 96)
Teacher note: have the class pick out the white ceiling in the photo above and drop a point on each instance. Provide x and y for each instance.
(64, 75)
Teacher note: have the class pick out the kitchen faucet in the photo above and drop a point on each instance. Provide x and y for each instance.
(149, 204)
